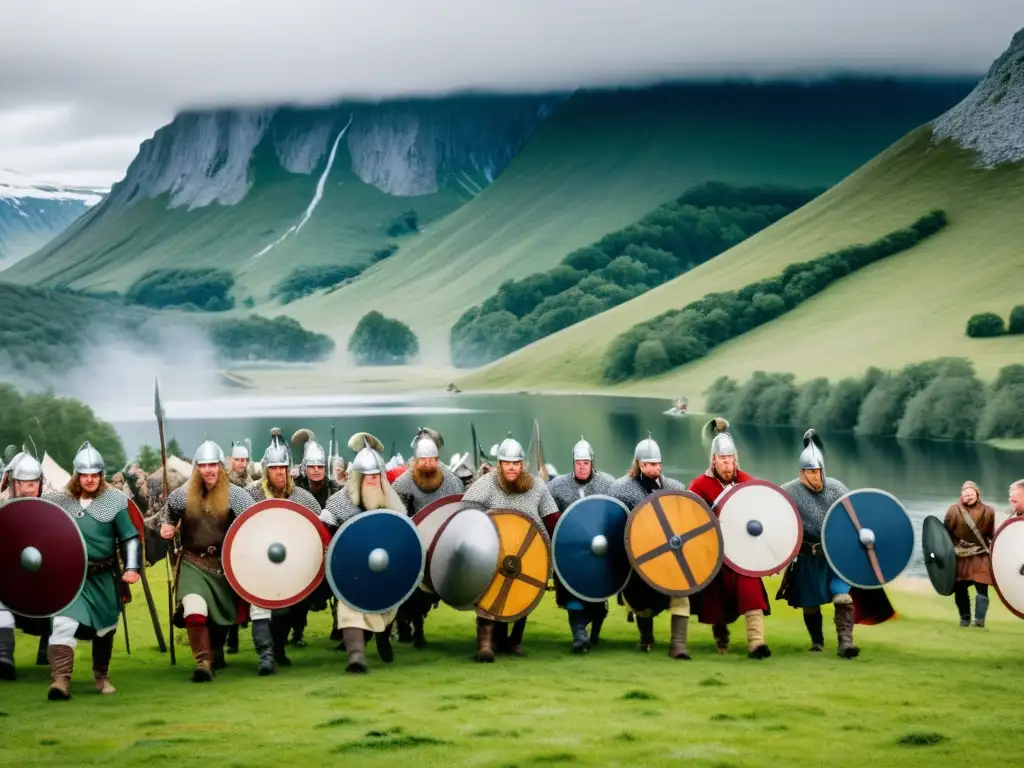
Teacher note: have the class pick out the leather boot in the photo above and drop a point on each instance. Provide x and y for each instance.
(7, 668)
(62, 663)
(844, 632)
(646, 628)
(404, 631)
(595, 628)
(515, 638)
(199, 641)
(963, 603)
(578, 627)
(721, 634)
(232, 639)
(41, 658)
(218, 634)
(813, 622)
(264, 643)
(419, 640)
(980, 610)
(677, 650)
(280, 626)
(298, 618)
(756, 646)
(384, 649)
(484, 640)
(355, 645)
(102, 650)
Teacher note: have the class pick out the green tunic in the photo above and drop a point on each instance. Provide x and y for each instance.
(215, 590)
(99, 604)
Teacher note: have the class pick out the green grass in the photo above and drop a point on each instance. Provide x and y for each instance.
(901, 703)
(909, 308)
(601, 162)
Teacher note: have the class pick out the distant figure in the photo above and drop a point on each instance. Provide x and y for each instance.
(1017, 498)
(971, 525)
(339, 467)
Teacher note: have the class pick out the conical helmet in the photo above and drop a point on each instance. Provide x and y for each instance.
(208, 453)
(647, 451)
(88, 460)
(277, 453)
(510, 449)
(367, 462)
(717, 439)
(813, 456)
(582, 451)
(24, 466)
(427, 444)
(314, 455)
(239, 450)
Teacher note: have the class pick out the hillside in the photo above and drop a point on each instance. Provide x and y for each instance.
(605, 159)
(33, 212)
(911, 307)
(259, 191)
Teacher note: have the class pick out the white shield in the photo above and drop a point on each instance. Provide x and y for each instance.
(1008, 564)
(761, 528)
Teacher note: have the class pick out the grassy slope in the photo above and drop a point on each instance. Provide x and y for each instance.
(613, 707)
(600, 163)
(347, 226)
(911, 307)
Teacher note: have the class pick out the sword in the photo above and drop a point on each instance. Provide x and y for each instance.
(124, 620)
(166, 485)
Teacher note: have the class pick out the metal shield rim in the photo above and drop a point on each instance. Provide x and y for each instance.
(720, 502)
(938, 523)
(236, 525)
(718, 532)
(554, 562)
(437, 537)
(329, 556)
(992, 553)
(837, 504)
(85, 558)
(540, 593)
(436, 504)
(433, 542)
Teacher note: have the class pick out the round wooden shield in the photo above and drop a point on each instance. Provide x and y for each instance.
(523, 571)
(464, 558)
(43, 558)
(939, 556)
(674, 541)
(761, 528)
(137, 520)
(430, 520)
(1008, 565)
(867, 537)
(588, 548)
(273, 553)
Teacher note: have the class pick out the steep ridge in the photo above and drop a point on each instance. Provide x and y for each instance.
(218, 188)
(909, 308)
(606, 158)
(33, 212)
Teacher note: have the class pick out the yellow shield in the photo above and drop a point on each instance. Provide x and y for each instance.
(524, 568)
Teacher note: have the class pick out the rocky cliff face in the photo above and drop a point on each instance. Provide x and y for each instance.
(33, 212)
(990, 119)
(402, 148)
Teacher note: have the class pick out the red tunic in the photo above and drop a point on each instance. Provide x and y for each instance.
(730, 594)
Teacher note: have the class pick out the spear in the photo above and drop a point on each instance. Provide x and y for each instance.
(159, 410)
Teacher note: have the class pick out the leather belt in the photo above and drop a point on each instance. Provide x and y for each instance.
(811, 549)
(97, 567)
(208, 561)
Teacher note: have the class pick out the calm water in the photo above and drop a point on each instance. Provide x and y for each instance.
(925, 476)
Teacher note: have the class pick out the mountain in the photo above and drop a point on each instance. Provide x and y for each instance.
(258, 191)
(33, 212)
(910, 307)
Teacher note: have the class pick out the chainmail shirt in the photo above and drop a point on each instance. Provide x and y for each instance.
(813, 506)
(537, 503)
(103, 508)
(566, 489)
(415, 498)
(630, 492)
(299, 496)
(238, 500)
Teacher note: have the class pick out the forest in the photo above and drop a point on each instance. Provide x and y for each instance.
(673, 239)
(939, 399)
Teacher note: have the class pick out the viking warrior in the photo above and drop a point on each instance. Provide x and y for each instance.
(102, 516)
(1017, 499)
(206, 606)
(971, 524)
(24, 479)
(567, 489)
(366, 489)
(809, 582)
(338, 467)
(278, 483)
(242, 469)
(644, 602)
(510, 487)
(428, 480)
(730, 594)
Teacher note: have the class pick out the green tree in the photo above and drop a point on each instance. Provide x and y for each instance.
(173, 449)
(1016, 320)
(378, 340)
(949, 408)
(651, 358)
(148, 458)
(811, 397)
(721, 396)
(985, 325)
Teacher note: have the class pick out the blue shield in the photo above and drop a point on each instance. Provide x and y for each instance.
(868, 538)
(375, 561)
(589, 550)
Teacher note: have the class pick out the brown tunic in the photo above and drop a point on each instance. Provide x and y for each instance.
(972, 561)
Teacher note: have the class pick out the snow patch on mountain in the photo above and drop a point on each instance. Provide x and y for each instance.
(990, 120)
(16, 186)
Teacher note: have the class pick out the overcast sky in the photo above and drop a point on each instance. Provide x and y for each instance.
(83, 82)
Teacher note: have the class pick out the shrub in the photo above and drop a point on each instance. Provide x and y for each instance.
(208, 288)
(1016, 320)
(260, 338)
(403, 224)
(379, 340)
(985, 325)
(303, 281)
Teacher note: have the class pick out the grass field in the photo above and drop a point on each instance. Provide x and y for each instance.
(911, 307)
(923, 690)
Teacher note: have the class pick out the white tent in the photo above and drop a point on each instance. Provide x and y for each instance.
(54, 476)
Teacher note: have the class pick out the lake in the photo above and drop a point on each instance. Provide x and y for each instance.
(925, 476)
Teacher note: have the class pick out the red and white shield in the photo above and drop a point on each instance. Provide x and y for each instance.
(761, 528)
(274, 553)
